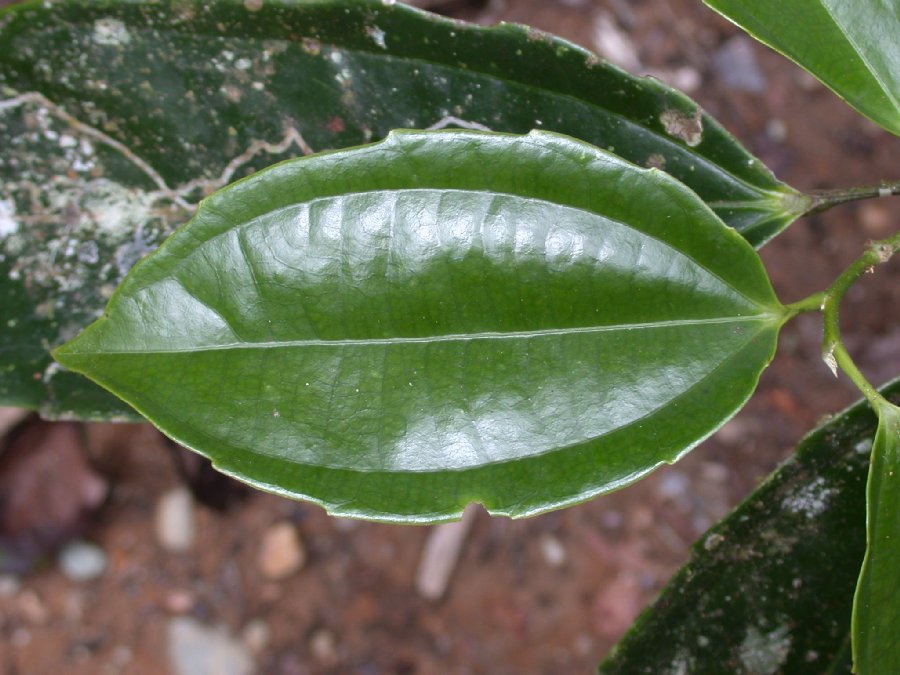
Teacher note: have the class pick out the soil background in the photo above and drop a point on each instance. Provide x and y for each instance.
(547, 595)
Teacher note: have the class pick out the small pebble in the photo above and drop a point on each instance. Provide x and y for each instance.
(32, 607)
(175, 528)
(256, 635)
(673, 485)
(735, 64)
(121, 657)
(323, 646)
(82, 561)
(20, 637)
(197, 649)
(553, 551)
(180, 602)
(74, 604)
(875, 219)
(9, 585)
(281, 554)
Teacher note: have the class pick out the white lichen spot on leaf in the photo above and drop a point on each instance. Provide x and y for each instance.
(311, 46)
(812, 500)
(765, 653)
(377, 35)
(683, 126)
(8, 224)
(111, 33)
(69, 231)
(656, 161)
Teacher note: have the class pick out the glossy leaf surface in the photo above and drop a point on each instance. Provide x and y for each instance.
(116, 117)
(876, 606)
(397, 330)
(770, 588)
(851, 46)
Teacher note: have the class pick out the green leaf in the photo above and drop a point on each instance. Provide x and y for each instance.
(852, 47)
(116, 117)
(876, 606)
(770, 588)
(397, 330)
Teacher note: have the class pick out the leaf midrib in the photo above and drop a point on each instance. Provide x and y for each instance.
(449, 337)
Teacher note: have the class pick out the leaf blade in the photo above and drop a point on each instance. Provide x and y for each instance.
(876, 608)
(769, 588)
(165, 101)
(448, 309)
(851, 48)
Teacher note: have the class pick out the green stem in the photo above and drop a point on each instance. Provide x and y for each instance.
(825, 199)
(812, 303)
(833, 351)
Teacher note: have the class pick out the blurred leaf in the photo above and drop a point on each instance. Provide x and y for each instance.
(116, 117)
(770, 588)
(852, 47)
(397, 330)
(876, 606)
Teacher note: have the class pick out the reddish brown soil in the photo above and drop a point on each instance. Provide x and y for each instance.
(508, 609)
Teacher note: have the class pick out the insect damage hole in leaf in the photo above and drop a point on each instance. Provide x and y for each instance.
(439, 318)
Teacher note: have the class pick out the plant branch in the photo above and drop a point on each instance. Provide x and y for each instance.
(834, 353)
(823, 200)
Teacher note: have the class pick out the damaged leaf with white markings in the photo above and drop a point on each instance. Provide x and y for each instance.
(397, 330)
(117, 117)
(770, 588)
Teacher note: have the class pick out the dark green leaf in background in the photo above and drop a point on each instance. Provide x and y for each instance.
(770, 588)
(852, 46)
(397, 330)
(116, 117)
(876, 606)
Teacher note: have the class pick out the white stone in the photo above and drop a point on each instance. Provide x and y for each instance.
(281, 552)
(197, 649)
(175, 528)
(82, 561)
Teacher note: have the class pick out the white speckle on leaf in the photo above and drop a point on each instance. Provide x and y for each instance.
(8, 225)
(377, 36)
(243, 64)
(811, 500)
(712, 541)
(765, 653)
(311, 46)
(864, 447)
(111, 32)
(680, 665)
